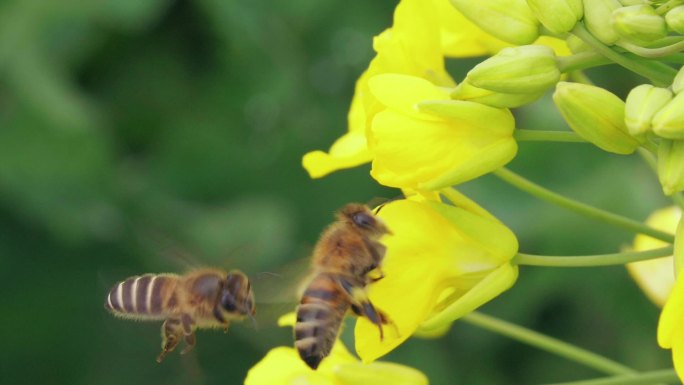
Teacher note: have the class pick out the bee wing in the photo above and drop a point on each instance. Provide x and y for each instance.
(277, 292)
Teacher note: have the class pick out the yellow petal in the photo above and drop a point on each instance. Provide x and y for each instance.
(672, 316)
(460, 37)
(379, 373)
(348, 151)
(402, 93)
(656, 276)
(422, 154)
(282, 366)
(487, 289)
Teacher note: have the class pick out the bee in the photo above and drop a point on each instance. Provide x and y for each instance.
(346, 258)
(206, 298)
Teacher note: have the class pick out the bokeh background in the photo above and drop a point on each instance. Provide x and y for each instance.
(148, 135)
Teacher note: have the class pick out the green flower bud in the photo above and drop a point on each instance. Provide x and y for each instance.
(597, 15)
(596, 115)
(643, 102)
(509, 20)
(640, 23)
(671, 165)
(669, 121)
(675, 19)
(466, 91)
(522, 70)
(558, 16)
(576, 44)
(678, 83)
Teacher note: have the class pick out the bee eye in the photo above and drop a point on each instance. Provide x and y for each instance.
(228, 302)
(363, 220)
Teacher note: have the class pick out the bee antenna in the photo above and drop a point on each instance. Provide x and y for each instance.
(254, 322)
(386, 201)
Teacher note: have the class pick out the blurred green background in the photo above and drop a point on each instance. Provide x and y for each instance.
(134, 133)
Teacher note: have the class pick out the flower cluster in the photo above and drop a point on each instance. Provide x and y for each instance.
(424, 131)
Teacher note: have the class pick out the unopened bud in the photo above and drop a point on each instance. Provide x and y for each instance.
(643, 102)
(525, 69)
(558, 16)
(639, 23)
(671, 165)
(596, 115)
(678, 83)
(466, 91)
(669, 121)
(597, 14)
(509, 20)
(675, 19)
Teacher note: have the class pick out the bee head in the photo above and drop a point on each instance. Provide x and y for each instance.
(361, 217)
(237, 296)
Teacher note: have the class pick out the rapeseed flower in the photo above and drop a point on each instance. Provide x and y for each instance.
(411, 46)
(656, 276)
(423, 140)
(670, 331)
(282, 366)
(442, 262)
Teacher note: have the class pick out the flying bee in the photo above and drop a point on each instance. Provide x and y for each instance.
(346, 258)
(206, 298)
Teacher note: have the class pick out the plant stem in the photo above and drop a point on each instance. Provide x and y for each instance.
(580, 61)
(591, 260)
(579, 207)
(546, 136)
(653, 53)
(659, 75)
(549, 344)
(668, 376)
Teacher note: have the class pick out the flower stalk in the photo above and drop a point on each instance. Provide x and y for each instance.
(549, 344)
(590, 260)
(579, 207)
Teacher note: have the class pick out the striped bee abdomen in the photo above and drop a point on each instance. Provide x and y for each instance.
(319, 316)
(140, 297)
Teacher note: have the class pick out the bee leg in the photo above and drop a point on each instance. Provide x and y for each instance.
(361, 305)
(225, 327)
(188, 326)
(171, 333)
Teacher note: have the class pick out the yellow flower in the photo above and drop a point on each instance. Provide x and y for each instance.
(423, 140)
(282, 366)
(442, 262)
(670, 330)
(656, 276)
(411, 46)
(462, 38)
(350, 150)
(657, 279)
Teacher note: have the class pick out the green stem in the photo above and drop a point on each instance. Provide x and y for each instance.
(652, 53)
(677, 58)
(659, 75)
(579, 207)
(546, 136)
(668, 376)
(591, 260)
(549, 344)
(580, 61)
